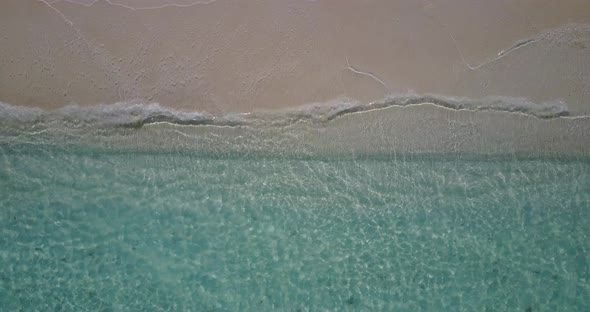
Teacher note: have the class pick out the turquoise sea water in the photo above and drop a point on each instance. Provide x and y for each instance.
(106, 230)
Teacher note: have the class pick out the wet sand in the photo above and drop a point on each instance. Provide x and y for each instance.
(237, 56)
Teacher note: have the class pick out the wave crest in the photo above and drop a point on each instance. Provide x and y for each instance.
(135, 114)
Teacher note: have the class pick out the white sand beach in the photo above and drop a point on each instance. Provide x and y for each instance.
(240, 56)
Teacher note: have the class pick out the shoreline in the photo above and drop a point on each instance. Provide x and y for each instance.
(393, 130)
(139, 114)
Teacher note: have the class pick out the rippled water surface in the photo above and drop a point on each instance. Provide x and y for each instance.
(135, 231)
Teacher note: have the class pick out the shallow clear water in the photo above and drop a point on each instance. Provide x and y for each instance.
(135, 231)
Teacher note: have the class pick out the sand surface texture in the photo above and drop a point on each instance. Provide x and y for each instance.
(240, 56)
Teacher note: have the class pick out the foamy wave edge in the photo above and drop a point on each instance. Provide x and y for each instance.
(137, 114)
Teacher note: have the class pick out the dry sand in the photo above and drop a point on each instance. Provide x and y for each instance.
(239, 56)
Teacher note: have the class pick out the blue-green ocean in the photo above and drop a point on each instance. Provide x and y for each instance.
(106, 230)
(400, 209)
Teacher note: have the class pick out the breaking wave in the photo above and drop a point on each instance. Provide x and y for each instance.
(136, 114)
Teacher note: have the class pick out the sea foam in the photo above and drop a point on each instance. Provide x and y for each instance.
(137, 114)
